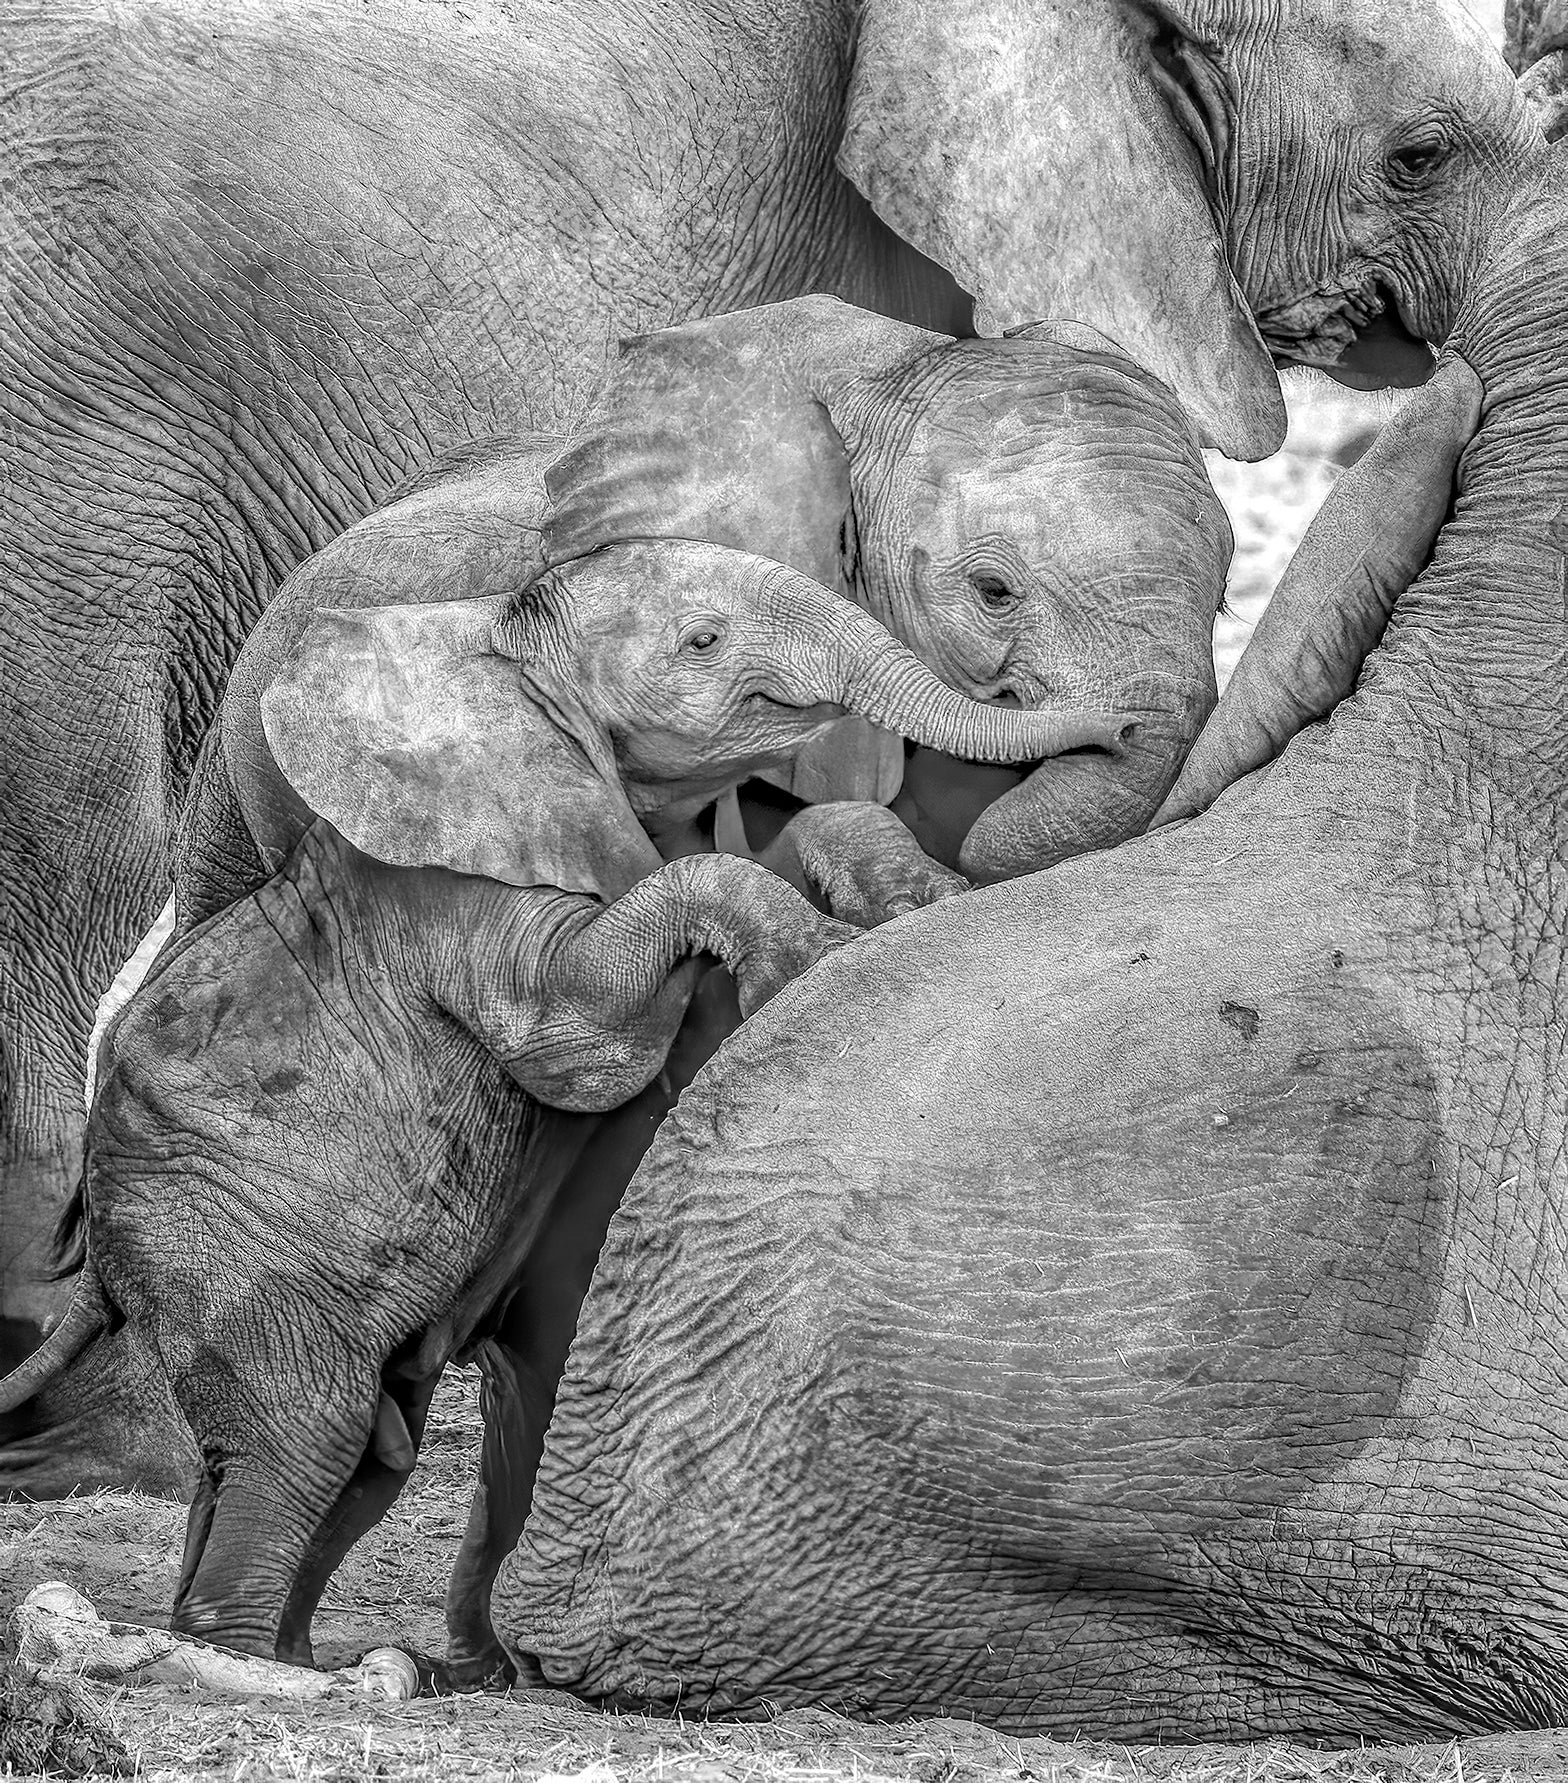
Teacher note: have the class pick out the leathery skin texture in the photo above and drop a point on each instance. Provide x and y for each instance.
(1177, 1426)
(1146, 1322)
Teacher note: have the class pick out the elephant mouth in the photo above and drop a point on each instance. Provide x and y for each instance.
(943, 797)
(1362, 337)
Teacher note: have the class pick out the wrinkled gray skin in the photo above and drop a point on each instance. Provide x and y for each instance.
(322, 1145)
(1034, 520)
(1130, 1299)
(793, 428)
(1030, 515)
(252, 309)
(916, 472)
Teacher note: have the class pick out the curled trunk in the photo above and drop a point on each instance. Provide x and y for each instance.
(1075, 803)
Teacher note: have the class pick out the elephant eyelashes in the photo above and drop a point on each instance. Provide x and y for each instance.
(994, 593)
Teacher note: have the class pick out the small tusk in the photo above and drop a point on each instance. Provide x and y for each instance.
(62, 1636)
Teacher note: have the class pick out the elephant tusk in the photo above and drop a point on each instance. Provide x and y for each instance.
(61, 1636)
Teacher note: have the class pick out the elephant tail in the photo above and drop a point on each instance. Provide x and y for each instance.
(86, 1315)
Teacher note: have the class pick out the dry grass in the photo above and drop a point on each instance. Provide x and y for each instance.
(122, 1551)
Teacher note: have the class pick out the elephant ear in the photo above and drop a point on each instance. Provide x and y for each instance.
(1029, 150)
(1368, 542)
(415, 731)
(720, 430)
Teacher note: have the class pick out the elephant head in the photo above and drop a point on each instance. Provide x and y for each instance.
(1034, 519)
(1161, 168)
(1031, 516)
(1419, 132)
(537, 736)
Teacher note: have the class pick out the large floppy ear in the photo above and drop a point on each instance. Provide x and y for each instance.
(720, 430)
(1030, 150)
(1368, 542)
(415, 731)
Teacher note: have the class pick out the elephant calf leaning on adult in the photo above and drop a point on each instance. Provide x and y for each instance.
(1131, 1298)
(323, 1142)
(1030, 515)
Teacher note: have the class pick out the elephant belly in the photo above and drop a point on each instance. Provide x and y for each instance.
(1108, 1376)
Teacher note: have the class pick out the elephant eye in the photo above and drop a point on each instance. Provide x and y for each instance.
(702, 640)
(994, 593)
(1417, 161)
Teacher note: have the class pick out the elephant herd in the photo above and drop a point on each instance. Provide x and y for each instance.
(645, 575)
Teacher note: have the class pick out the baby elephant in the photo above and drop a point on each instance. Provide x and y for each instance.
(330, 1126)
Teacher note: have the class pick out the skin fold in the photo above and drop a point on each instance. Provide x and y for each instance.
(427, 912)
(250, 310)
(1127, 1300)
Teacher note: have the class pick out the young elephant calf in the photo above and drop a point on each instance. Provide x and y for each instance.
(438, 936)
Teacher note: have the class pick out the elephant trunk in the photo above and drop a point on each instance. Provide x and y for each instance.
(1076, 803)
(850, 660)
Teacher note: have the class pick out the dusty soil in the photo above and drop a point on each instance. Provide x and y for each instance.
(122, 1551)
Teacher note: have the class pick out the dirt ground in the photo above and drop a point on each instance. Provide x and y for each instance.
(122, 1551)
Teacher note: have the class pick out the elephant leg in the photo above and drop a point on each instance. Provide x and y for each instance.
(83, 873)
(521, 1365)
(84, 857)
(198, 1526)
(277, 1471)
(363, 1502)
(523, 1361)
(259, 1532)
(861, 861)
(515, 1402)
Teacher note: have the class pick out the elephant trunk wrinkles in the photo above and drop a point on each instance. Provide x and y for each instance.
(872, 674)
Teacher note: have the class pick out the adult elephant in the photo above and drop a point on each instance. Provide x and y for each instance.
(259, 266)
(1130, 1298)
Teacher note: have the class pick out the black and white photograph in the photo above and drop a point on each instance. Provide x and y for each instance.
(784, 891)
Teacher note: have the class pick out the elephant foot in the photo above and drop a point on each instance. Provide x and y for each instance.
(108, 1420)
(490, 1674)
